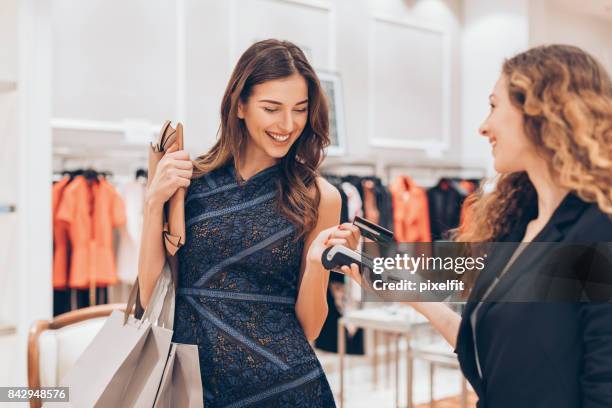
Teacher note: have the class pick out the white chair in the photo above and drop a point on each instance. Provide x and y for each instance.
(54, 346)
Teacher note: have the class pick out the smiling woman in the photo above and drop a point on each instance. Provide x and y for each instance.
(274, 94)
(251, 286)
(275, 116)
(550, 124)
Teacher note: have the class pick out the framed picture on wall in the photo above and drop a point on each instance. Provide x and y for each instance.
(332, 86)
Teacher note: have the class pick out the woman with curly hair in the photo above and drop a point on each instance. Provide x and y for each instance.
(251, 287)
(550, 128)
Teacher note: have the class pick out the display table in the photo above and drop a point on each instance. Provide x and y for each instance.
(397, 321)
(440, 354)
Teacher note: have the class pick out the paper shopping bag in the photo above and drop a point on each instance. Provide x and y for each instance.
(181, 385)
(101, 373)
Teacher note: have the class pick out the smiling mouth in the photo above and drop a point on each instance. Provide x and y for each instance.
(278, 137)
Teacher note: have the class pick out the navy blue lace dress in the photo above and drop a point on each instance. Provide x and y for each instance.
(236, 296)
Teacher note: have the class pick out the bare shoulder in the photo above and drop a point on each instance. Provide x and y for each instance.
(330, 196)
(330, 205)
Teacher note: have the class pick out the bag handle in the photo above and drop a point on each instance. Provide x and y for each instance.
(160, 310)
(162, 300)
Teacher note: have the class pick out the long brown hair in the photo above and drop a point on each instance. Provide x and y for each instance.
(265, 61)
(565, 96)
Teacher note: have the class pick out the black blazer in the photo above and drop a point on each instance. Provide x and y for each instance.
(546, 354)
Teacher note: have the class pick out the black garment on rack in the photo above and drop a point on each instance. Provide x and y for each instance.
(82, 297)
(384, 202)
(336, 182)
(328, 337)
(61, 301)
(444, 201)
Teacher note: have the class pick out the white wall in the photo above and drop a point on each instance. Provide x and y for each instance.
(413, 77)
(8, 161)
(552, 22)
(344, 48)
(133, 72)
(33, 243)
(492, 31)
(110, 65)
(8, 40)
(9, 165)
(179, 68)
(8, 196)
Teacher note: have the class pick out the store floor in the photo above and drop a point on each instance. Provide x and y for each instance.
(360, 392)
(359, 389)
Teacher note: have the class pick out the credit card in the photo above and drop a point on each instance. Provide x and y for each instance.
(373, 231)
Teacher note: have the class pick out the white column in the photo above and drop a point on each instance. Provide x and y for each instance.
(34, 234)
(8, 162)
(492, 31)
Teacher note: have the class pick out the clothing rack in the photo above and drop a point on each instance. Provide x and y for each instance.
(435, 172)
(91, 173)
(88, 173)
(385, 170)
(123, 160)
(358, 167)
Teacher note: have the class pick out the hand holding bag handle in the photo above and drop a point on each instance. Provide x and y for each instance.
(174, 211)
(174, 225)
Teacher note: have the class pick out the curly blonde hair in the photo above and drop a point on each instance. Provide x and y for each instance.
(565, 96)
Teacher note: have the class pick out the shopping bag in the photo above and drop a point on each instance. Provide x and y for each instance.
(181, 385)
(168, 374)
(144, 383)
(124, 363)
(107, 364)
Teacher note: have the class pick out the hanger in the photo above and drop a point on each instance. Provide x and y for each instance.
(142, 173)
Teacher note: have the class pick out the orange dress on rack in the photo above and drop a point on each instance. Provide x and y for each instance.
(91, 210)
(60, 237)
(410, 211)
